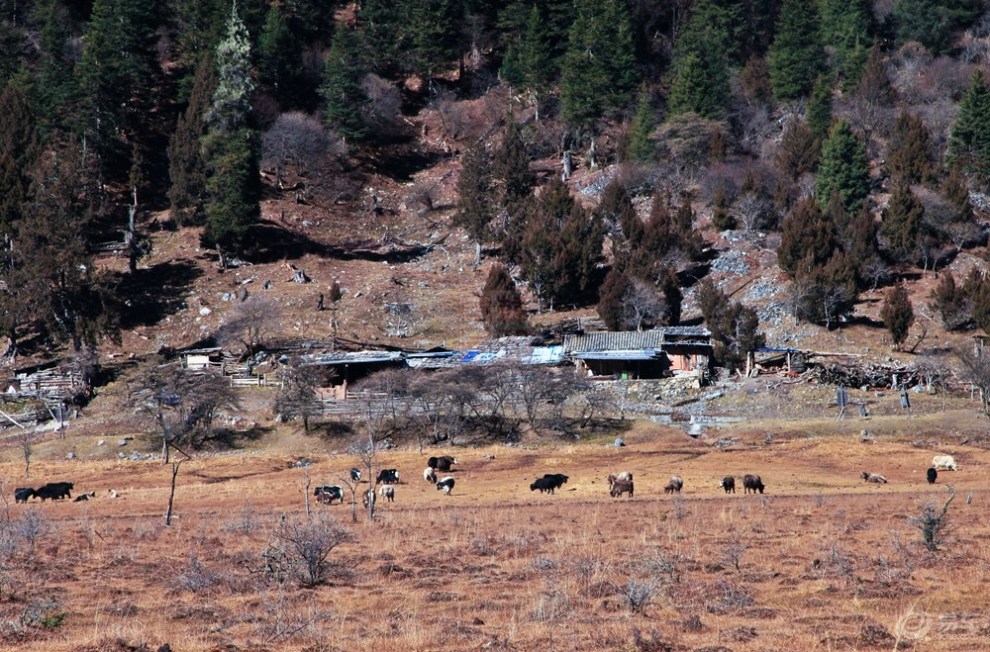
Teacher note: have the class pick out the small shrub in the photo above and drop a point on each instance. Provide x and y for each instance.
(637, 595)
(300, 550)
(196, 577)
(933, 522)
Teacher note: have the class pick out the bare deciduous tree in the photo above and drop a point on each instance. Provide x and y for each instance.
(297, 397)
(297, 139)
(250, 325)
(182, 403)
(976, 370)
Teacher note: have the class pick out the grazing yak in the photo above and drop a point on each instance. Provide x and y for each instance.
(369, 498)
(944, 462)
(932, 475)
(624, 476)
(729, 484)
(675, 485)
(22, 494)
(447, 484)
(387, 492)
(620, 487)
(387, 476)
(82, 497)
(875, 478)
(355, 474)
(326, 494)
(429, 474)
(54, 490)
(752, 483)
(441, 463)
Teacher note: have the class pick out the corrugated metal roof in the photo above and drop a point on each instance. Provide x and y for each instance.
(631, 340)
(638, 354)
(355, 357)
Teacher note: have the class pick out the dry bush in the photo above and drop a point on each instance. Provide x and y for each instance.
(196, 577)
(298, 140)
(636, 595)
(726, 597)
(383, 112)
(300, 550)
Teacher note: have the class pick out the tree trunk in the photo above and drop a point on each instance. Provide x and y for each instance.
(171, 493)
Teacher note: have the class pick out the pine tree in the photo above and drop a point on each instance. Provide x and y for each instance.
(874, 84)
(902, 224)
(344, 97)
(618, 216)
(611, 294)
(843, 168)
(701, 79)
(641, 145)
(956, 191)
(528, 63)
(796, 55)
(897, 314)
(116, 68)
(230, 146)
(807, 239)
(279, 64)
(56, 86)
(798, 151)
(186, 167)
(18, 152)
(931, 22)
(819, 115)
(475, 196)
(977, 290)
(969, 143)
(859, 241)
(599, 72)
(734, 327)
(432, 28)
(825, 295)
(952, 303)
(909, 149)
(382, 28)
(501, 305)
(51, 278)
(846, 33)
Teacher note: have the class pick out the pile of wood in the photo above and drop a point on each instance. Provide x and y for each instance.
(864, 374)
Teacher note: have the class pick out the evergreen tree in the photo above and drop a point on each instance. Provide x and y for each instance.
(199, 25)
(51, 280)
(528, 63)
(618, 216)
(432, 28)
(807, 239)
(798, 151)
(909, 149)
(874, 84)
(843, 168)
(611, 296)
(514, 185)
(897, 314)
(956, 192)
(279, 63)
(977, 290)
(820, 107)
(501, 305)
(859, 241)
(720, 22)
(902, 224)
(186, 167)
(825, 295)
(116, 68)
(344, 98)
(18, 151)
(734, 327)
(230, 146)
(796, 55)
(475, 196)
(599, 72)
(846, 33)
(701, 80)
(56, 86)
(951, 303)
(382, 28)
(932, 22)
(641, 145)
(969, 143)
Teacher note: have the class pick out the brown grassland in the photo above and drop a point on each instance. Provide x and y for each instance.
(821, 561)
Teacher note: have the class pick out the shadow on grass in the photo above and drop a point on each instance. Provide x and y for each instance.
(149, 295)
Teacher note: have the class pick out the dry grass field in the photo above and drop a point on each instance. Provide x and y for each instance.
(821, 561)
